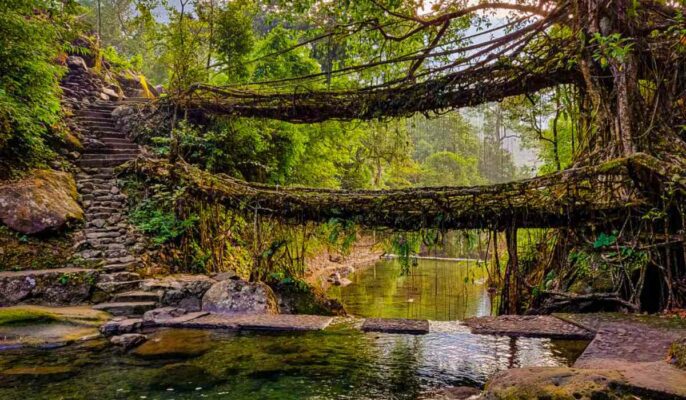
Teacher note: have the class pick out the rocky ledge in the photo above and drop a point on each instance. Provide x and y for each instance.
(62, 286)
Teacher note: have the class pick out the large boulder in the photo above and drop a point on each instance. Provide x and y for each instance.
(44, 201)
(183, 291)
(294, 298)
(53, 287)
(240, 297)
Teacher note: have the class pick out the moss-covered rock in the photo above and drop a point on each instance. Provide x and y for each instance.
(175, 343)
(64, 286)
(46, 200)
(553, 384)
(677, 353)
(301, 298)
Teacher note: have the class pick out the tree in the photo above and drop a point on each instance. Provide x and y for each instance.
(32, 37)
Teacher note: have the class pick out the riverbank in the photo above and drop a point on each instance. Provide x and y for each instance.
(365, 252)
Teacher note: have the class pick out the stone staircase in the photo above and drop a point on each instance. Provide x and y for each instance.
(107, 238)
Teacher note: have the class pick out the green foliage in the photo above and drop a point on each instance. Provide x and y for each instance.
(235, 38)
(605, 240)
(155, 216)
(32, 34)
(611, 48)
(406, 246)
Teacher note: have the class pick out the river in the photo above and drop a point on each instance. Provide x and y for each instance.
(339, 363)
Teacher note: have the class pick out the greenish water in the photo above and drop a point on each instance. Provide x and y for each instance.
(434, 290)
(340, 363)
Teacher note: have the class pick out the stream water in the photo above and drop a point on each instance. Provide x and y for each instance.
(339, 363)
(433, 289)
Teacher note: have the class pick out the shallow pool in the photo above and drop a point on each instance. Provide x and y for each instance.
(339, 363)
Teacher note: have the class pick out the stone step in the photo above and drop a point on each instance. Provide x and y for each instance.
(104, 162)
(94, 172)
(119, 276)
(90, 119)
(113, 150)
(126, 308)
(136, 296)
(117, 287)
(102, 210)
(85, 113)
(97, 124)
(117, 141)
(118, 267)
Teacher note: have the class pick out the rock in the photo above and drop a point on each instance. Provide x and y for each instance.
(110, 93)
(452, 393)
(44, 201)
(60, 286)
(76, 63)
(240, 297)
(562, 383)
(105, 97)
(677, 353)
(175, 343)
(295, 299)
(34, 374)
(128, 340)
(163, 313)
(122, 325)
(224, 276)
(183, 377)
(183, 291)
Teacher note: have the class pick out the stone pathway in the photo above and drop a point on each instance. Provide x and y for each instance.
(107, 239)
(396, 325)
(528, 326)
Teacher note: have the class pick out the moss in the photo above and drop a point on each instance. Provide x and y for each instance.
(677, 353)
(22, 252)
(30, 314)
(12, 316)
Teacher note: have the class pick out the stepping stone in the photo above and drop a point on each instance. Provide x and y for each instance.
(389, 325)
(528, 326)
(258, 322)
(126, 308)
(136, 296)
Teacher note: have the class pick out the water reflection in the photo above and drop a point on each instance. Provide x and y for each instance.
(341, 363)
(434, 290)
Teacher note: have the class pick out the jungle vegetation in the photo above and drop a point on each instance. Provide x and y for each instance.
(365, 95)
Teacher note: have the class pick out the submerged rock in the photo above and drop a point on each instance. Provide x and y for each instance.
(453, 393)
(175, 343)
(128, 341)
(34, 374)
(44, 201)
(183, 377)
(240, 297)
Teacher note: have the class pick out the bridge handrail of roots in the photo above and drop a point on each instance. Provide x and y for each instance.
(574, 196)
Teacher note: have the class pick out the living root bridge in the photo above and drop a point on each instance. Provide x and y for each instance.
(580, 196)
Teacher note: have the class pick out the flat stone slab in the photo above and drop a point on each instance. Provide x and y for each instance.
(528, 326)
(628, 342)
(396, 325)
(253, 322)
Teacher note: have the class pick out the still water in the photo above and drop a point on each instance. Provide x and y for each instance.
(433, 289)
(339, 363)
